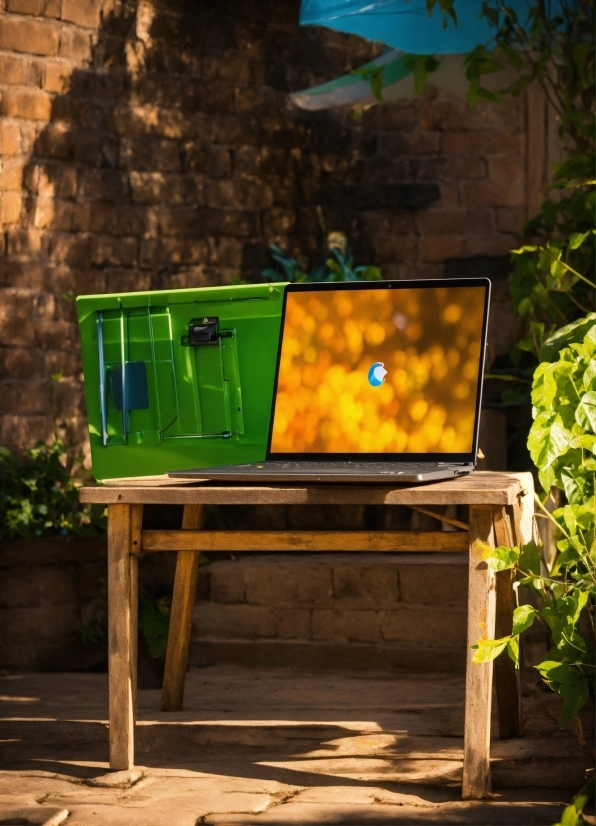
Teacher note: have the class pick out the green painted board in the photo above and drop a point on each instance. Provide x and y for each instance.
(156, 402)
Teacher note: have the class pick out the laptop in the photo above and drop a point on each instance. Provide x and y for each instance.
(375, 382)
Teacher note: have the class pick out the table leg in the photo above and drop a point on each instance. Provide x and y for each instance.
(183, 600)
(481, 621)
(122, 633)
(507, 676)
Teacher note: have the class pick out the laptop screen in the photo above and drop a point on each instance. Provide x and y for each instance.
(382, 368)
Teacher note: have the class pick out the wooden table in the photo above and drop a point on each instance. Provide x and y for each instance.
(501, 513)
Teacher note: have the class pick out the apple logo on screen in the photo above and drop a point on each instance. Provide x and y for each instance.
(376, 374)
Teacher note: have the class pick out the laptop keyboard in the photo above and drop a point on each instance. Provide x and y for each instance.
(371, 467)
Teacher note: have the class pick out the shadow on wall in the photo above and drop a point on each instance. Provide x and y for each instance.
(172, 160)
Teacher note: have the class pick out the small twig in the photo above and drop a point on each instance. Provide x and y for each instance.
(579, 731)
(455, 522)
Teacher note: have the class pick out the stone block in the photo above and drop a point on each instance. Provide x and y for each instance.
(24, 397)
(423, 625)
(291, 584)
(91, 580)
(116, 252)
(278, 220)
(351, 626)
(71, 249)
(510, 219)
(482, 143)
(25, 6)
(441, 247)
(13, 70)
(495, 192)
(24, 103)
(18, 588)
(58, 180)
(179, 220)
(294, 624)
(225, 252)
(55, 584)
(405, 143)
(454, 221)
(172, 251)
(147, 187)
(11, 174)
(57, 335)
(75, 44)
(231, 223)
(455, 116)
(52, 213)
(210, 160)
(396, 248)
(21, 34)
(82, 12)
(357, 586)
(499, 244)
(102, 185)
(9, 138)
(20, 363)
(39, 622)
(444, 584)
(93, 217)
(234, 621)
(387, 223)
(24, 432)
(56, 77)
(127, 280)
(230, 129)
(10, 207)
(454, 169)
(226, 582)
(150, 155)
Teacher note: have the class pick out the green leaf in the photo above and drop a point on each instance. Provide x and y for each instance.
(486, 650)
(575, 331)
(513, 650)
(548, 439)
(523, 618)
(585, 414)
(558, 672)
(529, 558)
(501, 558)
(570, 817)
(575, 696)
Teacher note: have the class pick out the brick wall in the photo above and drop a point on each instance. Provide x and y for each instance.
(148, 144)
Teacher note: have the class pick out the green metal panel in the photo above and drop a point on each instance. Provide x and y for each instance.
(157, 403)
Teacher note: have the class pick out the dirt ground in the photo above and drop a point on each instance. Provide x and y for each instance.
(276, 746)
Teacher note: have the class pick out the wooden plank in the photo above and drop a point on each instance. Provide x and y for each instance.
(183, 600)
(136, 527)
(480, 488)
(536, 148)
(301, 541)
(121, 637)
(507, 676)
(481, 622)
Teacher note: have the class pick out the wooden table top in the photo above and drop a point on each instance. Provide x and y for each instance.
(479, 488)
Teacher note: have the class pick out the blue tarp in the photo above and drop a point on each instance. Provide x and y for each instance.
(406, 24)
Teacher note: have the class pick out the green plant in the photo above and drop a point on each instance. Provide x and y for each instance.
(39, 496)
(154, 622)
(562, 444)
(553, 277)
(337, 264)
(572, 814)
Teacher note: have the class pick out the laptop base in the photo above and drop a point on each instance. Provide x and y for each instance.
(343, 472)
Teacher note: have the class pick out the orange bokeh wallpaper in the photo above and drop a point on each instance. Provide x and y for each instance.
(426, 339)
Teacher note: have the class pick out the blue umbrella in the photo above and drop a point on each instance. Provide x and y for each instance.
(407, 25)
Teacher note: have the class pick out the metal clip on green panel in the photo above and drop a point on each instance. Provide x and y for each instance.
(178, 379)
